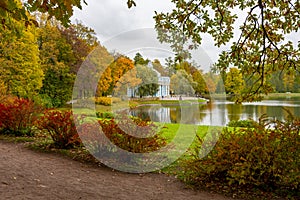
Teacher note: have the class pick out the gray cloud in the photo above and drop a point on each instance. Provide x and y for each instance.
(109, 18)
(131, 30)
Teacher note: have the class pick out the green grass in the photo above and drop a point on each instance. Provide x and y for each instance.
(14, 139)
(164, 102)
(186, 140)
(269, 96)
(281, 95)
(170, 130)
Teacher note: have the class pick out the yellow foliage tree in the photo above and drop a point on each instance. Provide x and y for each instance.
(128, 80)
(20, 68)
(104, 83)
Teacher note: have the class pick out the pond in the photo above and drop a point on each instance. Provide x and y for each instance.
(219, 112)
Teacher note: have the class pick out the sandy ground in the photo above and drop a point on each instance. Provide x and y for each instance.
(25, 174)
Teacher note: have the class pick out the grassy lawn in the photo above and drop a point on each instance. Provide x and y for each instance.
(269, 96)
(281, 95)
(132, 104)
(165, 102)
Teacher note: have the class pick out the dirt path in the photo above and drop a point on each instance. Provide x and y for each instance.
(25, 174)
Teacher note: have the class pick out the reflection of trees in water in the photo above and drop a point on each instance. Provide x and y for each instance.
(296, 111)
(141, 112)
(215, 113)
(175, 114)
(187, 114)
(152, 113)
(281, 113)
(209, 106)
(234, 111)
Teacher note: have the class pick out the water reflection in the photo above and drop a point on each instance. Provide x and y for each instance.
(218, 112)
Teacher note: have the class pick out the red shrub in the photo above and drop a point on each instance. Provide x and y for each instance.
(61, 127)
(120, 132)
(122, 135)
(18, 116)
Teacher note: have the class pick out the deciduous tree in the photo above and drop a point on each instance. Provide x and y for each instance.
(261, 47)
(149, 81)
(182, 83)
(20, 68)
(56, 57)
(234, 83)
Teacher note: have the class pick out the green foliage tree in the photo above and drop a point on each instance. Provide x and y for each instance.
(259, 50)
(276, 82)
(234, 83)
(149, 81)
(147, 90)
(182, 83)
(297, 82)
(61, 10)
(139, 60)
(200, 86)
(57, 85)
(56, 57)
(62, 52)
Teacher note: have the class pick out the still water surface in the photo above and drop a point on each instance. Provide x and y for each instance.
(219, 112)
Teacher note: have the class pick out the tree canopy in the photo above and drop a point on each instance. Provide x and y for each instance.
(261, 47)
(61, 10)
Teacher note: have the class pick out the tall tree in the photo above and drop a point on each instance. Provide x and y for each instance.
(56, 57)
(20, 68)
(82, 40)
(211, 81)
(149, 81)
(259, 50)
(234, 83)
(105, 83)
(128, 80)
(158, 67)
(182, 83)
(112, 75)
(139, 60)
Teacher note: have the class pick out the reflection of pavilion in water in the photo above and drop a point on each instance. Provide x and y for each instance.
(173, 114)
(153, 113)
(218, 112)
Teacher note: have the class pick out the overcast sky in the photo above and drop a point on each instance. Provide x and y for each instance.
(129, 31)
(132, 30)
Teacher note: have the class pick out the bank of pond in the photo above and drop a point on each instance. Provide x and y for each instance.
(218, 112)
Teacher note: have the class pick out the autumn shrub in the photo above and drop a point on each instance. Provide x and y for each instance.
(17, 116)
(106, 101)
(61, 127)
(8, 99)
(122, 133)
(90, 135)
(260, 157)
(105, 115)
(242, 123)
